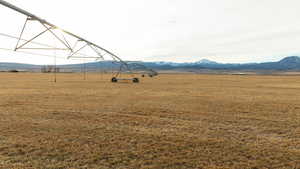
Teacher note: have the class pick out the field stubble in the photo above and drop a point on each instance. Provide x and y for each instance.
(172, 121)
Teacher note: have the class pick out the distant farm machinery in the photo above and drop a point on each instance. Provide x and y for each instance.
(132, 68)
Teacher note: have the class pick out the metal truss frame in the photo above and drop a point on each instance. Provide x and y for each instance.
(49, 27)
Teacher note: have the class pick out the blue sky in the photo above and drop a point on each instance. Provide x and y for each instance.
(235, 31)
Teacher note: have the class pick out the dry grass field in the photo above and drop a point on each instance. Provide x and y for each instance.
(172, 121)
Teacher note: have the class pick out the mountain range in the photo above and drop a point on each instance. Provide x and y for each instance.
(286, 64)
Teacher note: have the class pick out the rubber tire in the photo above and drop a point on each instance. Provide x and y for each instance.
(114, 80)
(135, 80)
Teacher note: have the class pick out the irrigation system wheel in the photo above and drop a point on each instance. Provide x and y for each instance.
(114, 80)
(135, 80)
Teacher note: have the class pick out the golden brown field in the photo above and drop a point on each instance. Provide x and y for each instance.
(172, 121)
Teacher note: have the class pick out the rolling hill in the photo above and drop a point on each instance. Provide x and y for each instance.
(286, 64)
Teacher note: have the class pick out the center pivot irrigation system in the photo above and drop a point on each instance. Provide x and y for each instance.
(73, 49)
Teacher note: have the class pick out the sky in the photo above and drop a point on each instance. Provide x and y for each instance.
(227, 31)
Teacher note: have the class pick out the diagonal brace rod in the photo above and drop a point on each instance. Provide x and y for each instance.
(97, 52)
(77, 51)
(20, 37)
(57, 36)
(33, 38)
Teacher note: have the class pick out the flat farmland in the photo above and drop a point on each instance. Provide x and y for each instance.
(171, 121)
